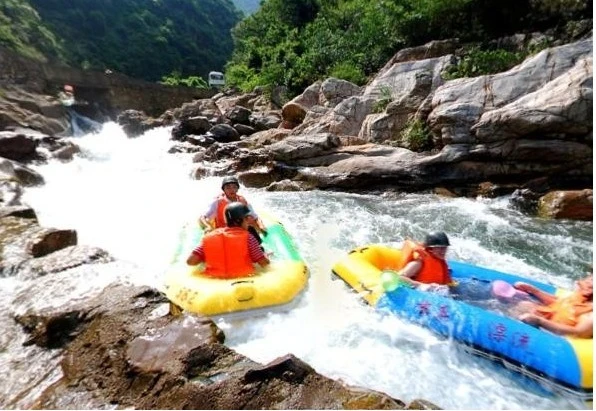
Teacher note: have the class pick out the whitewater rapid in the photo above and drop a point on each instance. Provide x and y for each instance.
(131, 198)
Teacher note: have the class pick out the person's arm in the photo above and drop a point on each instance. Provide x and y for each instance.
(196, 256)
(261, 226)
(205, 223)
(204, 220)
(256, 253)
(544, 297)
(256, 221)
(410, 271)
(583, 329)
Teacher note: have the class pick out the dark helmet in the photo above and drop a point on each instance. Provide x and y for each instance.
(235, 213)
(229, 180)
(436, 239)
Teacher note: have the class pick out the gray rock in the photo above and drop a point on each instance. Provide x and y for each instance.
(224, 133)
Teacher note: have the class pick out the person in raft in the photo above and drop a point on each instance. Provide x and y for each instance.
(230, 252)
(425, 263)
(214, 217)
(570, 315)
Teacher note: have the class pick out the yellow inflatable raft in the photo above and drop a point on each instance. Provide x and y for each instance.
(277, 285)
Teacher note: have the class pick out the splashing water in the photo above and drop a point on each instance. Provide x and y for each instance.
(130, 197)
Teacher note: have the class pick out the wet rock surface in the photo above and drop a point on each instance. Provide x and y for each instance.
(125, 349)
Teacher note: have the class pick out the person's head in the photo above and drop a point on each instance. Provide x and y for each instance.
(236, 214)
(230, 186)
(437, 243)
(68, 88)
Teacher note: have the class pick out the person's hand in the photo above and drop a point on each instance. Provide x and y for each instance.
(524, 287)
(530, 318)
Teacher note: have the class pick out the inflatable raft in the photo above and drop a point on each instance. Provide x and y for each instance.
(278, 285)
(562, 364)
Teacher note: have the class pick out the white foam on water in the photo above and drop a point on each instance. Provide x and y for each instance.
(132, 198)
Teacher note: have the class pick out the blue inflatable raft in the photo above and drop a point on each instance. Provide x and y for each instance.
(557, 362)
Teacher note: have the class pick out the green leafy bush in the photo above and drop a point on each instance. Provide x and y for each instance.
(416, 136)
(382, 103)
(348, 71)
(352, 39)
(480, 62)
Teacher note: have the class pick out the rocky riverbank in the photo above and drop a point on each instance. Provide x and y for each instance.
(527, 131)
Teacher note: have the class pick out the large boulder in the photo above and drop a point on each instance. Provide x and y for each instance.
(123, 347)
(405, 86)
(576, 205)
(134, 122)
(224, 133)
(190, 125)
(17, 146)
(333, 91)
(562, 107)
(459, 104)
(305, 146)
(15, 171)
(345, 118)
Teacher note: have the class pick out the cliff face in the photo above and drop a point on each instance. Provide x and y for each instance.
(108, 92)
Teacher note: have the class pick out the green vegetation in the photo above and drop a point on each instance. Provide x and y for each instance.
(141, 38)
(174, 79)
(478, 62)
(289, 43)
(382, 103)
(22, 30)
(416, 136)
(296, 42)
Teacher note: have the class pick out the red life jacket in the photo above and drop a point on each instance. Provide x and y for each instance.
(222, 202)
(434, 270)
(226, 253)
(566, 310)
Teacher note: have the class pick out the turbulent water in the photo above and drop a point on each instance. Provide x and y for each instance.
(130, 197)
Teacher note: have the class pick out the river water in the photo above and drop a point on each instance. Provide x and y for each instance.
(131, 198)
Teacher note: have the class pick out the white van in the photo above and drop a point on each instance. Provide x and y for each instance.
(216, 79)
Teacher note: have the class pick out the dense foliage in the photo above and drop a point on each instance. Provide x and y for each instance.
(22, 30)
(295, 42)
(142, 38)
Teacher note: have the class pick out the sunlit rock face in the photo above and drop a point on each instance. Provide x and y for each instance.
(123, 347)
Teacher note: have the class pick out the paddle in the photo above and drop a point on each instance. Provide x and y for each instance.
(504, 290)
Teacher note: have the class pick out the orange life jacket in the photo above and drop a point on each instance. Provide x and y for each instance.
(222, 202)
(226, 253)
(434, 270)
(566, 310)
